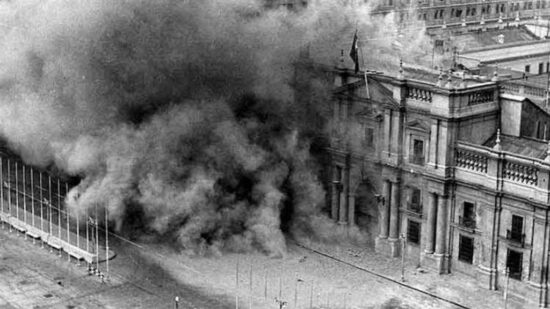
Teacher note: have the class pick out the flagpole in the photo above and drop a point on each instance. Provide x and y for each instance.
(16, 194)
(9, 192)
(355, 48)
(32, 197)
(24, 199)
(2, 191)
(97, 237)
(68, 226)
(87, 231)
(58, 211)
(41, 206)
(77, 219)
(50, 201)
(365, 73)
(107, 241)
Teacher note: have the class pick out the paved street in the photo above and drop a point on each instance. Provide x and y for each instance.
(34, 277)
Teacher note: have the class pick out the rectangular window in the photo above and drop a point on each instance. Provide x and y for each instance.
(517, 225)
(341, 110)
(418, 152)
(337, 174)
(515, 234)
(415, 203)
(369, 137)
(527, 68)
(547, 66)
(541, 68)
(513, 263)
(413, 232)
(466, 249)
(468, 218)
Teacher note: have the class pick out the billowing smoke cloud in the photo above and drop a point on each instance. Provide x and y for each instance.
(180, 113)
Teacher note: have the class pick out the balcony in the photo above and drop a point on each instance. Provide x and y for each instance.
(415, 208)
(515, 238)
(418, 160)
(467, 222)
(501, 170)
(419, 94)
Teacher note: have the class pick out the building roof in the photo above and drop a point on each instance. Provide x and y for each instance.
(523, 146)
(499, 53)
(480, 39)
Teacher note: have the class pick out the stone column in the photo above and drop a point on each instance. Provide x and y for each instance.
(394, 211)
(351, 210)
(335, 193)
(342, 212)
(335, 201)
(539, 251)
(385, 210)
(441, 232)
(387, 132)
(430, 223)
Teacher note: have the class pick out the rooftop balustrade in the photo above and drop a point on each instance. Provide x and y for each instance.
(503, 171)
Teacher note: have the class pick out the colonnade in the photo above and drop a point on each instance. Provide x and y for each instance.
(389, 212)
(436, 225)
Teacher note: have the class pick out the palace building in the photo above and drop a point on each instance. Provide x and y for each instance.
(455, 165)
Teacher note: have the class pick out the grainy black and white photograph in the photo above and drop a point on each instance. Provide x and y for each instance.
(296, 154)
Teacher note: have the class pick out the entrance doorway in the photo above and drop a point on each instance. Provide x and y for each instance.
(366, 212)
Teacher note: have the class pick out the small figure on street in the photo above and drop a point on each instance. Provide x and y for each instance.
(281, 303)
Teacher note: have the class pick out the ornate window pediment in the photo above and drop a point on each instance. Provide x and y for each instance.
(418, 125)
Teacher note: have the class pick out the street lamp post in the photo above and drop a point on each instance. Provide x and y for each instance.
(403, 240)
(176, 302)
(507, 278)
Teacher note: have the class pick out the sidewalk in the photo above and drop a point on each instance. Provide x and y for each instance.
(456, 287)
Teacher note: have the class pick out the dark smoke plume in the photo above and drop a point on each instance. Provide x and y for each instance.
(179, 112)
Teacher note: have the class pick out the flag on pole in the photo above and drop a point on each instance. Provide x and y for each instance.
(354, 52)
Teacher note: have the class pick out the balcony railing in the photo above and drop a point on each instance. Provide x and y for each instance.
(515, 237)
(467, 222)
(521, 173)
(416, 208)
(481, 97)
(471, 160)
(418, 160)
(419, 94)
(514, 169)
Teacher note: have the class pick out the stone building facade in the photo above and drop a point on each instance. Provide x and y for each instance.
(465, 12)
(458, 169)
